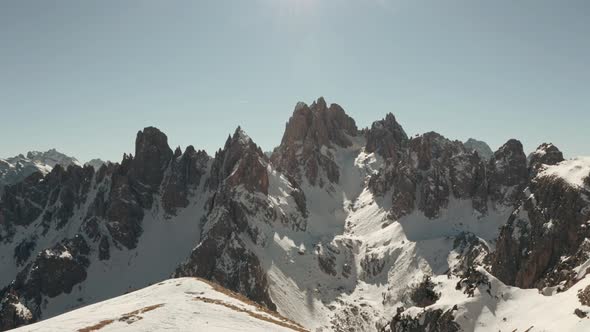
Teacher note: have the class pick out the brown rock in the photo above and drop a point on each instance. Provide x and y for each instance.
(546, 154)
(309, 129)
(387, 138)
(508, 173)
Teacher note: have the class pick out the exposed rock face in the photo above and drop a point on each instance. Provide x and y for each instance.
(482, 148)
(423, 294)
(548, 226)
(152, 156)
(427, 321)
(472, 252)
(584, 296)
(252, 225)
(241, 162)
(53, 272)
(55, 196)
(387, 138)
(508, 173)
(433, 168)
(186, 172)
(125, 191)
(13, 313)
(311, 130)
(546, 154)
(222, 254)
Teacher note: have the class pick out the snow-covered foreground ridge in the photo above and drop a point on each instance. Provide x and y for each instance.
(184, 304)
(339, 229)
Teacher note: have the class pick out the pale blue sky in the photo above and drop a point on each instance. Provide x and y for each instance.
(84, 76)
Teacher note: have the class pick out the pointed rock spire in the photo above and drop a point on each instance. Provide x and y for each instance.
(387, 138)
(508, 172)
(152, 155)
(241, 162)
(307, 131)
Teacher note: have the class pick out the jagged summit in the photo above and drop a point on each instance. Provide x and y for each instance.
(241, 161)
(545, 154)
(340, 229)
(307, 132)
(16, 169)
(387, 137)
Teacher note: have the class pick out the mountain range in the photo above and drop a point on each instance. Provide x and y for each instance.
(338, 229)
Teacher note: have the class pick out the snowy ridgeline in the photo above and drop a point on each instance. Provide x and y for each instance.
(183, 304)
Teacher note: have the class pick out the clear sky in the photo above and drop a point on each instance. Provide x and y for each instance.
(85, 76)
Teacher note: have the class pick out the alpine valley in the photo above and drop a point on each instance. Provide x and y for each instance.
(338, 229)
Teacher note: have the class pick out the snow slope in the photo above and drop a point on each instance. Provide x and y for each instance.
(509, 308)
(574, 171)
(184, 304)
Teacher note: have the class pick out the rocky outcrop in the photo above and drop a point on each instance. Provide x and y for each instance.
(54, 271)
(184, 177)
(12, 312)
(508, 173)
(241, 162)
(125, 191)
(423, 294)
(546, 228)
(53, 197)
(222, 254)
(426, 321)
(430, 172)
(310, 133)
(546, 154)
(387, 138)
(471, 250)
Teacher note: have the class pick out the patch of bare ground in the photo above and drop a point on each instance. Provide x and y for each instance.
(129, 318)
(97, 326)
(285, 322)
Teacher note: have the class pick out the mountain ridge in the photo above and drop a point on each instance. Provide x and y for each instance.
(329, 230)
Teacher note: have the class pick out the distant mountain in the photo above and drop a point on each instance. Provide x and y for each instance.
(16, 169)
(96, 163)
(482, 148)
(339, 229)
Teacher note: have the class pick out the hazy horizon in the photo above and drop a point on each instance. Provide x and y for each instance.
(84, 77)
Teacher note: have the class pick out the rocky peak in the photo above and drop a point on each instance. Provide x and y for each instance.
(52, 157)
(431, 147)
(184, 178)
(16, 169)
(319, 125)
(481, 147)
(308, 131)
(387, 138)
(240, 162)
(546, 154)
(152, 155)
(508, 172)
(96, 163)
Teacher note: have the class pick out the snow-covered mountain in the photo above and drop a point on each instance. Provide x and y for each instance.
(339, 229)
(481, 147)
(16, 169)
(96, 163)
